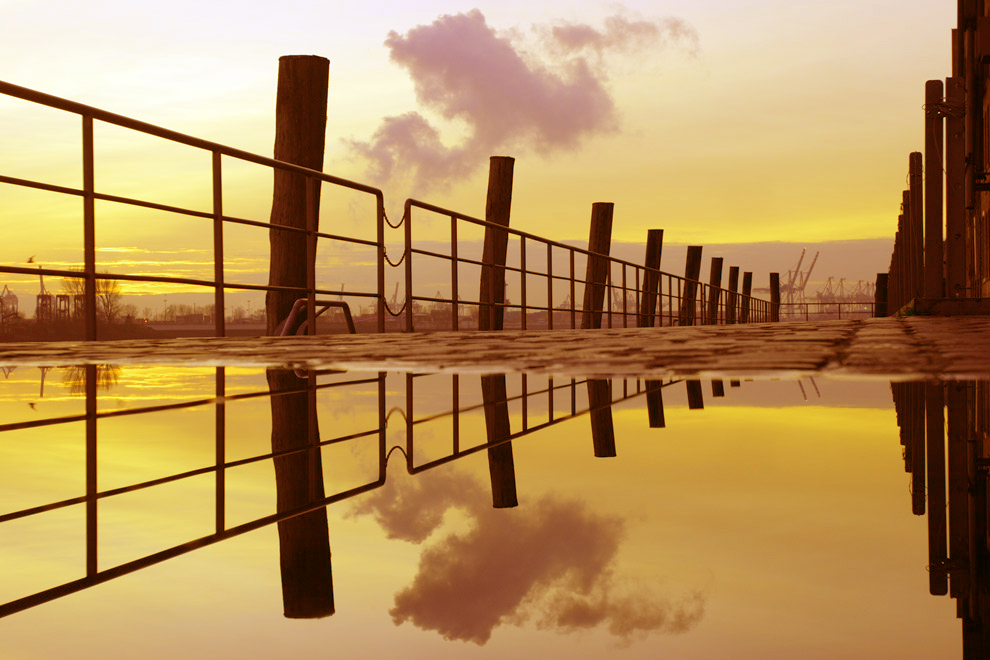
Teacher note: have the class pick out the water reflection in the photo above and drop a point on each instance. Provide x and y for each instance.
(549, 560)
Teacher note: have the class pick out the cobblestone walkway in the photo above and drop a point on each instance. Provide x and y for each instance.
(946, 347)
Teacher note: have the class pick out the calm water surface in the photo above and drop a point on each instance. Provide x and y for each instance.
(143, 514)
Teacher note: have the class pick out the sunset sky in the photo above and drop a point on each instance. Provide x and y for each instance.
(720, 122)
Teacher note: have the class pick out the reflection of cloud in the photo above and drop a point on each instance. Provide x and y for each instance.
(506, 99)
(551, 563)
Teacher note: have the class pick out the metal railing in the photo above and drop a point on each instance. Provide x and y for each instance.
(89, 195)
(826, 311)
(559, 269)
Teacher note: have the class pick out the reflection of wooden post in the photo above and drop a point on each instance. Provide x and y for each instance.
(602, 431)
(934, 282)
(935, 431)
(300, 136)
(955, 205)
(499, 202)
(880, 296)
(651, 279)
(718, 388)
(914, 420)
(732, 297)
(692, 271)
(960, 496)
(599, 243)
(774, 297)
(304, 540)
(500, 464)
(696, 400)
(747, 291)
(715, 290)
(654, 404)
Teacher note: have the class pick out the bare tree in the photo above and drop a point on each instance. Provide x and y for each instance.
(108, 295)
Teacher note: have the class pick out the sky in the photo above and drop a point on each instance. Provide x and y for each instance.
(719, 122)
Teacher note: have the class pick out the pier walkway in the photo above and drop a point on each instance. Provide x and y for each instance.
(897, 348)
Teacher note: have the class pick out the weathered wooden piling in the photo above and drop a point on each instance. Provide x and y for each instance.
(747, 291)
(300, 138)
(651, 279)
(596, 277)
(934, 281)
(501, 466)
(880, 295)
(718, 388)
(714, 290)
(938, 582)
(774, 297)
(692, 272)
(498, 205)
(602, 429)
(955, 202)
(732, 296)
(916, 224)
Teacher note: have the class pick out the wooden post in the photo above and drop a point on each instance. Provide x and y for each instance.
(300, 137)
(938, 582)
(501, 466)
(654, 404)
(602, 429)
(497, 206)
(880, 296)
(651, 279)
(960, 504)
(304, 540)
(934, 284)
(747, 290)
(599, 244)
(718, 388)
(774, 297)
(715, 290)
(916, 224)
(696, 399)
(955, 203)
(732, 297)
(692, 273)
(914, 420)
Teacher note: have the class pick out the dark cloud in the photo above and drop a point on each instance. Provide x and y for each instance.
(551, 562)
(463, 70)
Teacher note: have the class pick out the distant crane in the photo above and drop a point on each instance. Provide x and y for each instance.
(44, 309)
(793, 290)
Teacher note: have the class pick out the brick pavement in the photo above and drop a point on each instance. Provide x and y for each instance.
(946, 347)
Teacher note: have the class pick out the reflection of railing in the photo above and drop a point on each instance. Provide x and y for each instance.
(557, 269)
(89, 196)
(294, 467)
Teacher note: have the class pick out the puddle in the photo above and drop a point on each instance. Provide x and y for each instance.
(152, 512)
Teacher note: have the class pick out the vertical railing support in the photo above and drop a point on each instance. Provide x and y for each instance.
(89, 228)
(497, 207)
(218, 277)
(599, 245)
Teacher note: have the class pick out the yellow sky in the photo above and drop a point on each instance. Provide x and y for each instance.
(735, 122)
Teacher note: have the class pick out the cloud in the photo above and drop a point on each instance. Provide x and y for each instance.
(552, 563)
(506, 100)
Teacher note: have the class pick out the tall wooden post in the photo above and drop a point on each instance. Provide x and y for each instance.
(300, 138)
(732, 297)
(955, 202)
(602, 429)
(695, 397)
(692, 273)
(715, 290)
(934, 150)
(654, 404)
(599, 244)
(501, 466)
(774, 297)
(651, 279)
(916, 224)
(880, 296)
(497, 206)
(747, 291)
